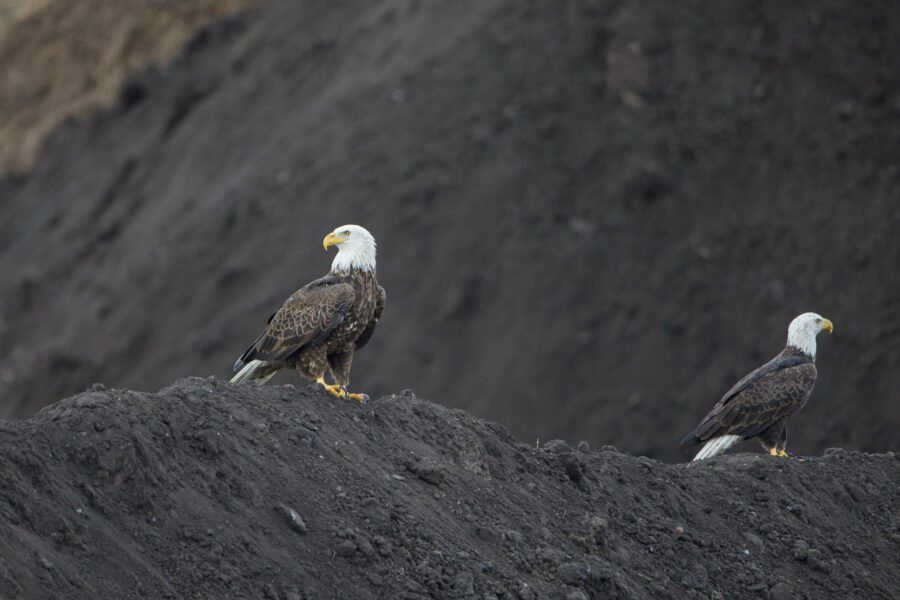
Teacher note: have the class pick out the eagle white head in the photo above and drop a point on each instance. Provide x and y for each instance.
(803, 330)
(356, 248)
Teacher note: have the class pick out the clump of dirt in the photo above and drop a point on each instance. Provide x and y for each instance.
(59, 59)
(207, 489)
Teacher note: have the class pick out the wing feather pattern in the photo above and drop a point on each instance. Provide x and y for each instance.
(770, 393)
(364, 337)
(308, 317)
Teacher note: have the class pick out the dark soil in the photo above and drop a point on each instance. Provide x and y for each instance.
(592, 219)
(209, 490)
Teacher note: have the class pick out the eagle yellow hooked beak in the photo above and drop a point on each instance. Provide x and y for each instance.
(332, 239)
(827, 326)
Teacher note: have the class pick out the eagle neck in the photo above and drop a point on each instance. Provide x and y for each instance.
(793, 349)
(361, 258)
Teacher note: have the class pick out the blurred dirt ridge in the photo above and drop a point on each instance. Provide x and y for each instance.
(592, 217)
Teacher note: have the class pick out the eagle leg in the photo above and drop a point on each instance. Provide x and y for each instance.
(782, 442)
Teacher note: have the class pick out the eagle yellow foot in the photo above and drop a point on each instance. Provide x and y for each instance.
(335, 390)
(778, 452)
(361, 398)
(782, 453)
(339, 391)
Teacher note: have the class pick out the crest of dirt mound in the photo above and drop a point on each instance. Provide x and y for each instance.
(210, 490)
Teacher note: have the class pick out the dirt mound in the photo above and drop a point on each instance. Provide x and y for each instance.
(591, 221)
(211, 490)
(59, 59)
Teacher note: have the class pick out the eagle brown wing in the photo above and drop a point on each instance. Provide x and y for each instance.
(307, 317)
(774, 391)
(364, 337)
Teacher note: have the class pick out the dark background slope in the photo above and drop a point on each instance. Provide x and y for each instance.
(592, 219)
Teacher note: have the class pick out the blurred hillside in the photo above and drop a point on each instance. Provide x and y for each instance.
(59, 59)
(618, 205)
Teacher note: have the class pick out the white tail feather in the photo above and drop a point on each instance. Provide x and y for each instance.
(717, 446)
(247, 371)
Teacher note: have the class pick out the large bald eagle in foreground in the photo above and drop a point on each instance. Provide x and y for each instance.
(323, 323)
(760, 404)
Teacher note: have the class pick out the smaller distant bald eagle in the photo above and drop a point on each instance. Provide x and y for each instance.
(760, 404)
(323, 323)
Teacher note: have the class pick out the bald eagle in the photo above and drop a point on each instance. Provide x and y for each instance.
(323, 323)
(760, 404)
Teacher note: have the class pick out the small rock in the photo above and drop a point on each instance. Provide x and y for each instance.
(855, 492)
(557, 446)
(514, 537)
(817, 561)
(42, 560)
(608, 448)
(800, 550)
(428, 471)
(576, 595)
(385, 548)
(781, 591)
(98, 387)
(551, 555)
(464, 583)
(679, 531)
(293, 518)
(583, 446)
(487, 533)
(597, 526)
(574, 468)
(270, 593)
(700, 574)
(210, 441)
(365, 546)
(345, 548)
(755, 540)
(525, 592)
(572, 573)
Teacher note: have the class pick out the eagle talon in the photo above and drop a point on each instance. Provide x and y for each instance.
(335, 390)
(361, 398)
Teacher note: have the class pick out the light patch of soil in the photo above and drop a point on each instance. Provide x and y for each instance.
(59, 59)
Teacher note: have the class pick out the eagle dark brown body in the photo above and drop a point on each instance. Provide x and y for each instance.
(318, 329)
(760, 404)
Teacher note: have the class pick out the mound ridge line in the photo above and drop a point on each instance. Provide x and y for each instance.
(206, 489)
